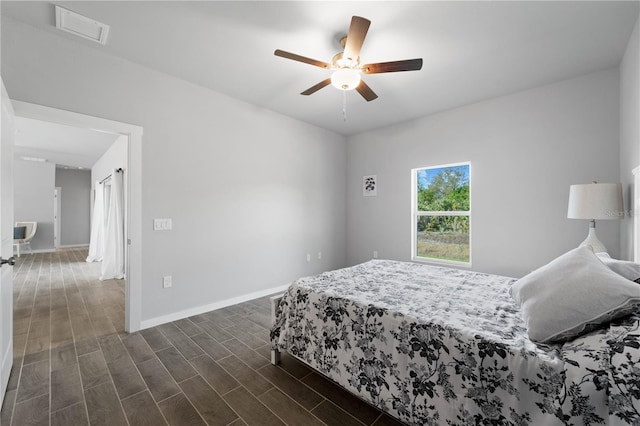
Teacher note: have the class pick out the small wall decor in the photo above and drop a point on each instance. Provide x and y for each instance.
(369, 185)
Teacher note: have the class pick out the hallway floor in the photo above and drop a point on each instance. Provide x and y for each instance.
(74, 365)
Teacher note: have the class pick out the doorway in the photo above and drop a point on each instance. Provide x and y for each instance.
(132, 214)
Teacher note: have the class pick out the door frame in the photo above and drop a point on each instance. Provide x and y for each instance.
(133, 213)
(6, 241)
(57, 194)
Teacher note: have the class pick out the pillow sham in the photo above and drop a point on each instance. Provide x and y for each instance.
(19, 232)
(571, 295)
(629, 270)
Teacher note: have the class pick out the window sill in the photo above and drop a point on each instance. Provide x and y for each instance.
(441, 262)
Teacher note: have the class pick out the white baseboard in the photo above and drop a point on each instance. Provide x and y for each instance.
(73, 245)
(152, 322)
(23, 253)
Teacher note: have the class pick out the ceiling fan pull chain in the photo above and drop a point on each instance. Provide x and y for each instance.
(344, 105)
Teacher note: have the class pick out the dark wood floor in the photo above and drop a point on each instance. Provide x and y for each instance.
(74, 365)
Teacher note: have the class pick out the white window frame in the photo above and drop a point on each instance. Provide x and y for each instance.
(415, 214)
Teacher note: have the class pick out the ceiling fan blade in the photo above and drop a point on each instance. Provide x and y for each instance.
(366, 91)
(299, 58)
(355, 38)
(317, 87)
(393, 66)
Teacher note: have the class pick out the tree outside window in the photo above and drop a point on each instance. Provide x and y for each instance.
(442, 214)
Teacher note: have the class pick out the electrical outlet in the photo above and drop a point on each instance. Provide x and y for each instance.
(375, 254)
(167, 281)
(308, 257)
(319, 255)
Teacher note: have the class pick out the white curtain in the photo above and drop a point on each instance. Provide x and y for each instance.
(96, 241)
(113, 257)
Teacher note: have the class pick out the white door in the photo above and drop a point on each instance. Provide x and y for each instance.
(6, 240)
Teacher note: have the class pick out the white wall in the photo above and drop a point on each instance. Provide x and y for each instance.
(629, 133)
(74, 205)
(33, 199)
(114, 158)
(250, 192)
(525, 150)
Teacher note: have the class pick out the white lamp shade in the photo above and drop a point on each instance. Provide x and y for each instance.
(345, 79)
(595, 201)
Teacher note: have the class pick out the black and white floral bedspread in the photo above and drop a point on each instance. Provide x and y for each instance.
(439, 346)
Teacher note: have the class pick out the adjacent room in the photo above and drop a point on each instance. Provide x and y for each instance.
(339, 213)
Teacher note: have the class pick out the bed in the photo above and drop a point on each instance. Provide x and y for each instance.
(435, 346)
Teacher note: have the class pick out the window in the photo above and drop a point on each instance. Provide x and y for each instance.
(441, 212)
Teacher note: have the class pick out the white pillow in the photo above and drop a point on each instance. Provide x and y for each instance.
(629, 270)
(571, 295)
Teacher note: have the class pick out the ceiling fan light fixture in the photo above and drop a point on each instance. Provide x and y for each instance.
(345, 79)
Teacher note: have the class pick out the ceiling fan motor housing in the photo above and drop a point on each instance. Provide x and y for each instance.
(339, 61)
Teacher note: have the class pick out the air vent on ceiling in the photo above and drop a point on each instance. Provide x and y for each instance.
(81, 26)
(36, 159)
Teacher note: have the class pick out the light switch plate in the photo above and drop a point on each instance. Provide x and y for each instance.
(163, 224)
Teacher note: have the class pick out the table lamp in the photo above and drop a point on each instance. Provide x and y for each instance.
(595, 201)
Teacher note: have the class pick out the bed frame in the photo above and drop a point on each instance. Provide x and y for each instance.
(275, 301)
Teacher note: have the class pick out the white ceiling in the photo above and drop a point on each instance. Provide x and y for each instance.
(60, 144)
(471, 50)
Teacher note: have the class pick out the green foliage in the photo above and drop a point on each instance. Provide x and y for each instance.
(447, 191)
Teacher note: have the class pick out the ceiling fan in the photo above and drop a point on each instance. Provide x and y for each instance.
(346, 64)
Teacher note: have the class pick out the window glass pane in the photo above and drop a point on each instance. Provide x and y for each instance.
(443, 237)
(443, 189)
